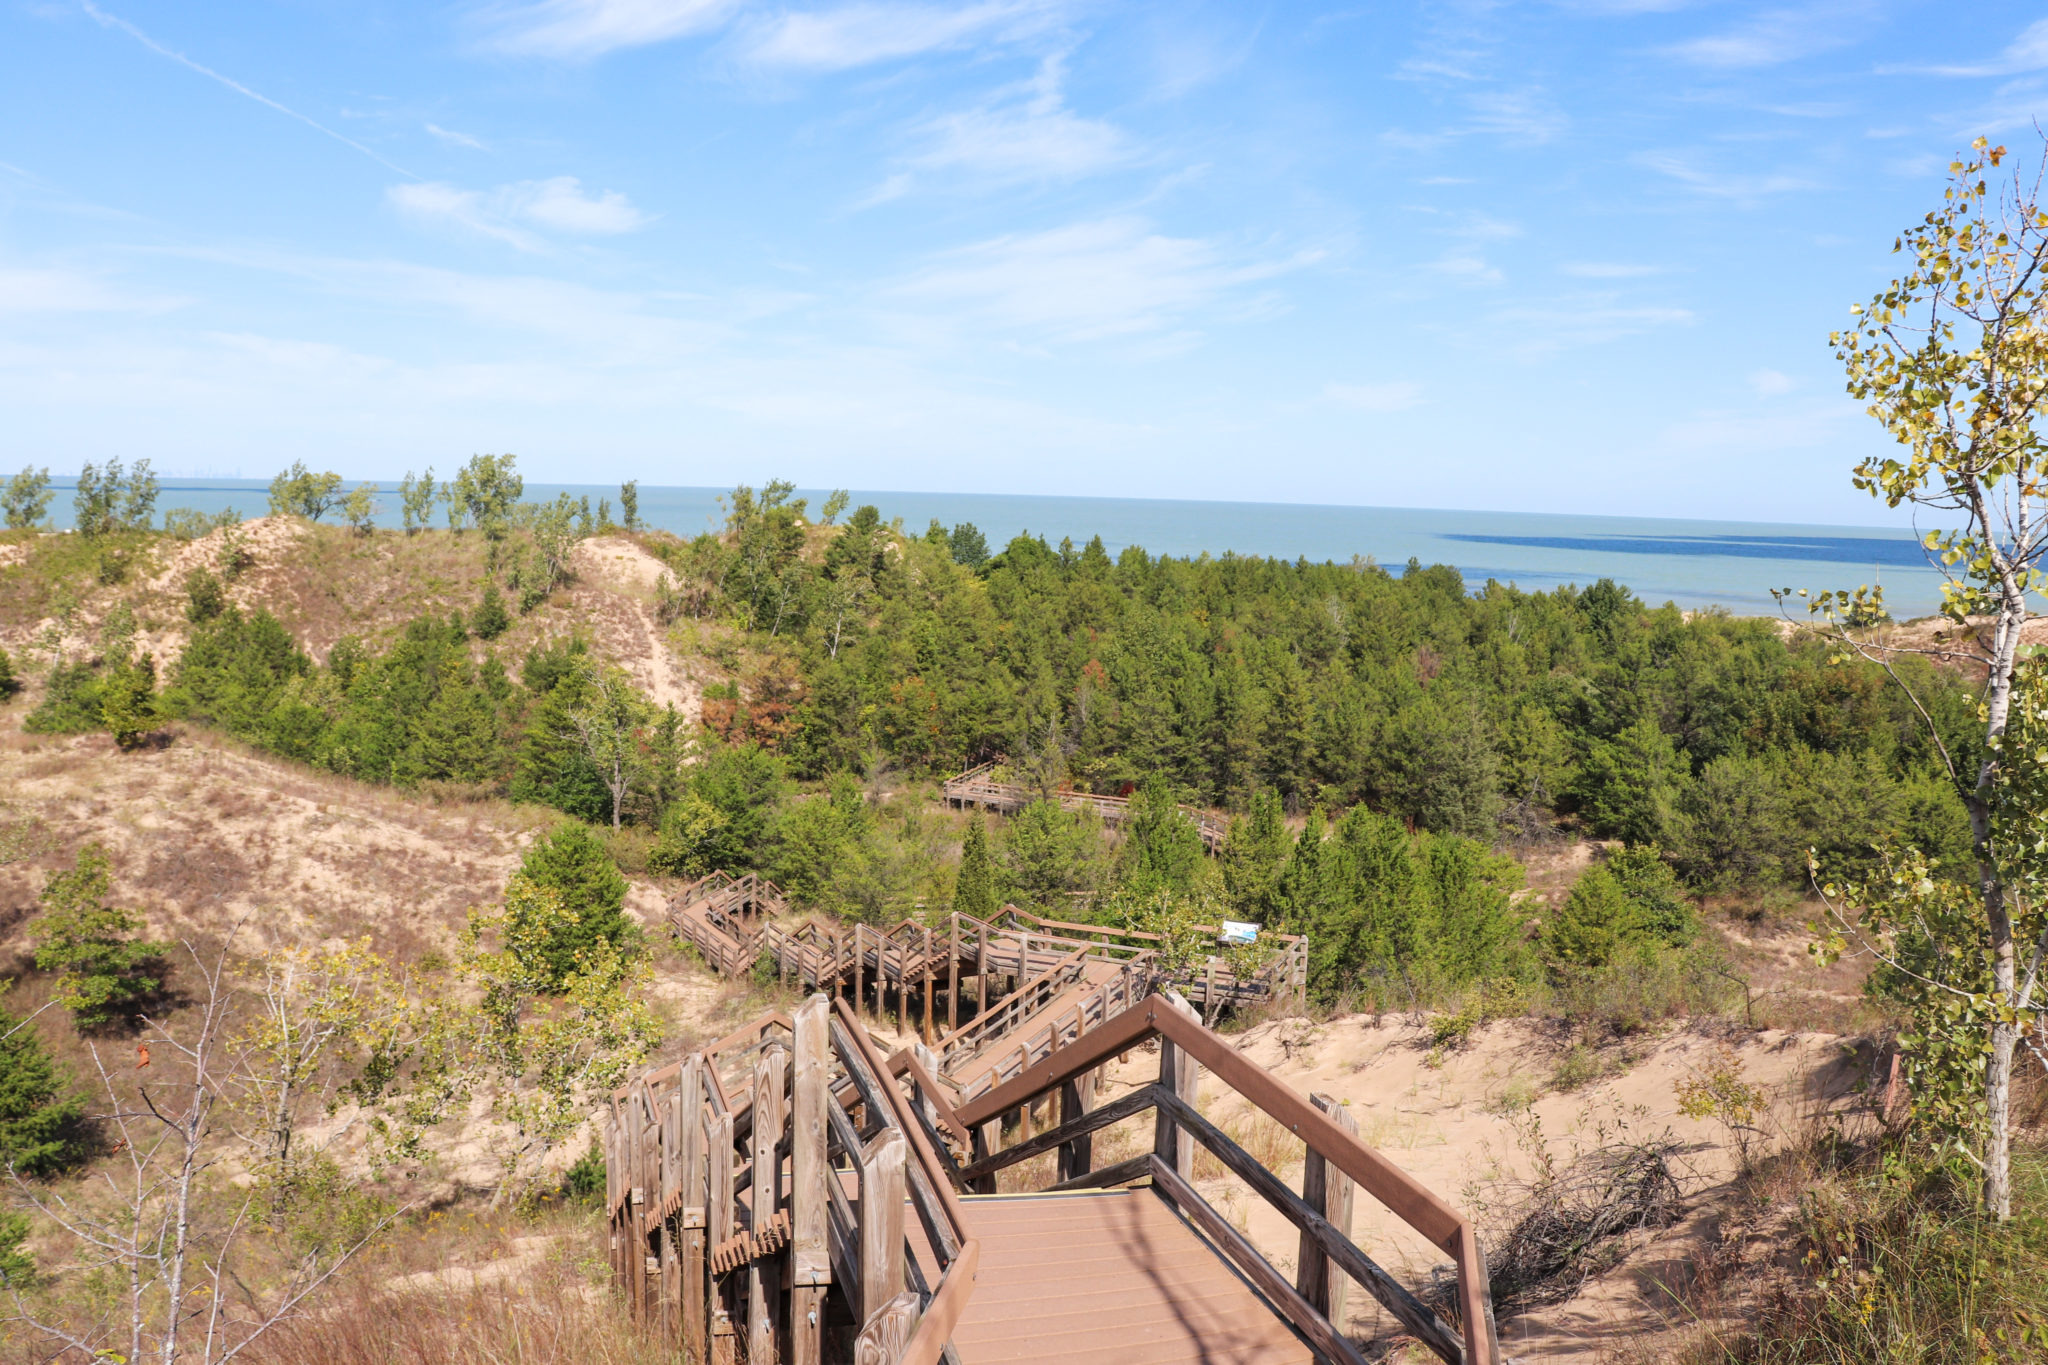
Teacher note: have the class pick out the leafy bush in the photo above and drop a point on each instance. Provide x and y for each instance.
(574, 864)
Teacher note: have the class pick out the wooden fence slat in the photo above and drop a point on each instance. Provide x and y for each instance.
(764, 1273)
(881, 1220)
(810, 1256)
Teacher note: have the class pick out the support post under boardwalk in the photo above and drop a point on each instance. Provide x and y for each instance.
(696, 1318)
(764, 1273)
(881, 1221)
(810, 1260)
(1327, 1190)
(723, 1347)
(672, 1119)
(953, 975)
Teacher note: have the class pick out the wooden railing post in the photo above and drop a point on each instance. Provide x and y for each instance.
(672, 1119)
(719, 1231)
(1182, 1075)
(881, 1221)
(1328, 1191)
(764, 1273)
(810, 1257)
(1077, 1097)
(696, 1342)
(953, 974)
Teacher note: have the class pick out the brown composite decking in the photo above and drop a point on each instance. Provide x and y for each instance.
(1110, 1276)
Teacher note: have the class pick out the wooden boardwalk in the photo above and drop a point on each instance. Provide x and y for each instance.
(976, 787)
(788, 1194)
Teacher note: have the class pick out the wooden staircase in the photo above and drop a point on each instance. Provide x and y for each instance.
(790, 1195)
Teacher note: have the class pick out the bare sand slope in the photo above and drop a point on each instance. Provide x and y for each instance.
(1468, 1123)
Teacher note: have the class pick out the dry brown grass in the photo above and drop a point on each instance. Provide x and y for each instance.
(473, 1289)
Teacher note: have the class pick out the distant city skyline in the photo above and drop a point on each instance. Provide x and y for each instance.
(1577, 256)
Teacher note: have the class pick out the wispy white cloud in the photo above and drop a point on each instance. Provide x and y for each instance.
(453, 138)
(1780, 35)
(1113, 277)
(2028, 52)
(1021, 135)
(1544, 328)
(1467, 267)
(1770, 383)
(1608, 270)
(1517, 117)
(590, 28)
(25, 289)
(1395, 395)
(509, 212)
(1740, 186)
(848, 36)
(106, 20)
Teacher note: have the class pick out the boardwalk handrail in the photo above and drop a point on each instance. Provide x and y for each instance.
(717, 1207)
(1159, 1017)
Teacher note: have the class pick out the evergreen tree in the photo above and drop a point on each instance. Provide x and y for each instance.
(974, 892)
(1253, 854)
(551, 766)
(812, 838)
(458, 733)
(577, 868)
(1301, 880)
(1162, 847)
(490, 619)
(968, 545)
(128, 706)
(1652, 888)
(1596, 924)
(10, 681)
(205, 598)
(1050, 856)
(39, 1120)
(104, 971)
(629, 504)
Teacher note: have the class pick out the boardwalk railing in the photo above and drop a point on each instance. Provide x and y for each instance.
(977, 787)
(733, 1176)
(718, 1202)
(730, 928)
(1336, 1158)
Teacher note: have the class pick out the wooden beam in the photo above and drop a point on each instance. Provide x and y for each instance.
(1077, 1097)
(719, 1229)
(810, 1272)
(764, 1274)
(1428, 1328)
(1117, 1110)
(887, 1333)
(1329, 1342)
(1121, 1173)
(953, 974)
(696, 1319)
(1327, 1192)
(881, 1221)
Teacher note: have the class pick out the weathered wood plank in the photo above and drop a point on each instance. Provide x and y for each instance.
(881, 1221)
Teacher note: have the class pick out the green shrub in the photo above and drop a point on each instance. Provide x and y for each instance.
(70, 704)
(574, 864)
(10, 681)
(39, 1119)
(490, 619)
(104, 972)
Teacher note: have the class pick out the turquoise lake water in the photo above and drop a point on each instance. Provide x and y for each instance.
(1693, 563)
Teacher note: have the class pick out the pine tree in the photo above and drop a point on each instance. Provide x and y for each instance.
(490, 619)
(10, 681)
(1253, 854)
(39, 1121)
(458, 734)
(573, 864)
(1163, 850)
(974, 893)
(128, 706)
(104, 972)
(1596, 924)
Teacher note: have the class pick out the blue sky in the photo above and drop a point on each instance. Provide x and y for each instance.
(1577, 255)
